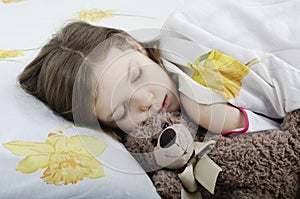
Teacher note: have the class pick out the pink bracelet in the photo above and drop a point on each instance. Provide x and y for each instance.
(245, 129)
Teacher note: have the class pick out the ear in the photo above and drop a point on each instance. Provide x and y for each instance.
(137, 46)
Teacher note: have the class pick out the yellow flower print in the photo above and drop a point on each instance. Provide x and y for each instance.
(10, 53)
(93, 15)
(221, 73)
(11, 1)
(67, 160)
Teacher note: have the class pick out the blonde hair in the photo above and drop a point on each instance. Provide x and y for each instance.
(50, 77)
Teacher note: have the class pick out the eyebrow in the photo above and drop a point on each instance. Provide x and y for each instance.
(127, 77)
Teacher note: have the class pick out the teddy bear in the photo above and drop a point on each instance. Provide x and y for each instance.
(263, 164)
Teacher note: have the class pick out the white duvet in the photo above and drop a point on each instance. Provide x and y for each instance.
(267, 30)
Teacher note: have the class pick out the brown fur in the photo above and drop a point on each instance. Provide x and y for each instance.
(259, 165)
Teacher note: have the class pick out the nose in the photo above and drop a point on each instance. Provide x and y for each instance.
(167, 138)
(143, 99)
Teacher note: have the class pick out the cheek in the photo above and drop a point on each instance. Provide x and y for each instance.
(137, 117)
(132, 121)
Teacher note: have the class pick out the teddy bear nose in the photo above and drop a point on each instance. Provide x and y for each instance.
(167, 138)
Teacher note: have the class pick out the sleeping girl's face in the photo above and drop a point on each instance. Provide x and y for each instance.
(131, 88)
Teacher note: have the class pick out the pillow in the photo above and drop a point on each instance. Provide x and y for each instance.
(24, 118)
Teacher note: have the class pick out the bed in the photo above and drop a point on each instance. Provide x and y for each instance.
(25, 27)
(266, 25)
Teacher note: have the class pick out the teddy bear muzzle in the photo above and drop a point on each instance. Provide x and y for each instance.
(174, 147)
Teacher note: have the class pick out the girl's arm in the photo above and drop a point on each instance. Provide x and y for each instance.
(216, 118)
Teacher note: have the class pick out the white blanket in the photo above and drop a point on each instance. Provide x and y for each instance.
(266, 30)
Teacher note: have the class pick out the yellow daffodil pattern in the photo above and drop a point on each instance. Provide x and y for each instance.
(96, 15)
(67, 160)
(10, 53)
(11, 1)
(221, 73)
(93, 15)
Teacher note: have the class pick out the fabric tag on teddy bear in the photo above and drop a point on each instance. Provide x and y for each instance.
(206, 172)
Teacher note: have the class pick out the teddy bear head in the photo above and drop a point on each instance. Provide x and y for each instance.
(165, 140)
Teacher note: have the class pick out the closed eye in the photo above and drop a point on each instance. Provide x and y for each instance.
(136, 74)
(124, 112)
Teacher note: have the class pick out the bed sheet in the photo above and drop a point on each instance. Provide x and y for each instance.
(25, 25)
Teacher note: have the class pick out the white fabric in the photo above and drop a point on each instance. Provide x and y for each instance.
(241, 29)
(271, 87)
(258, 122)
(265, 25)
(204, 95)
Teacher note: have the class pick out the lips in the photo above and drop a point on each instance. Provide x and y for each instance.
(165, 104)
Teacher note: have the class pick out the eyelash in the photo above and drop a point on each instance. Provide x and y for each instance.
(139, 75)
(125, 113)
(126, 109)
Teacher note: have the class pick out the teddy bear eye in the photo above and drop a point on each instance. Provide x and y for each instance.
(154, 142)
(164, 125)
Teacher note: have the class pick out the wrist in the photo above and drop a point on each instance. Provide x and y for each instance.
(243, 123)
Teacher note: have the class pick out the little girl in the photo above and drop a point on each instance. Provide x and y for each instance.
(87, 73)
